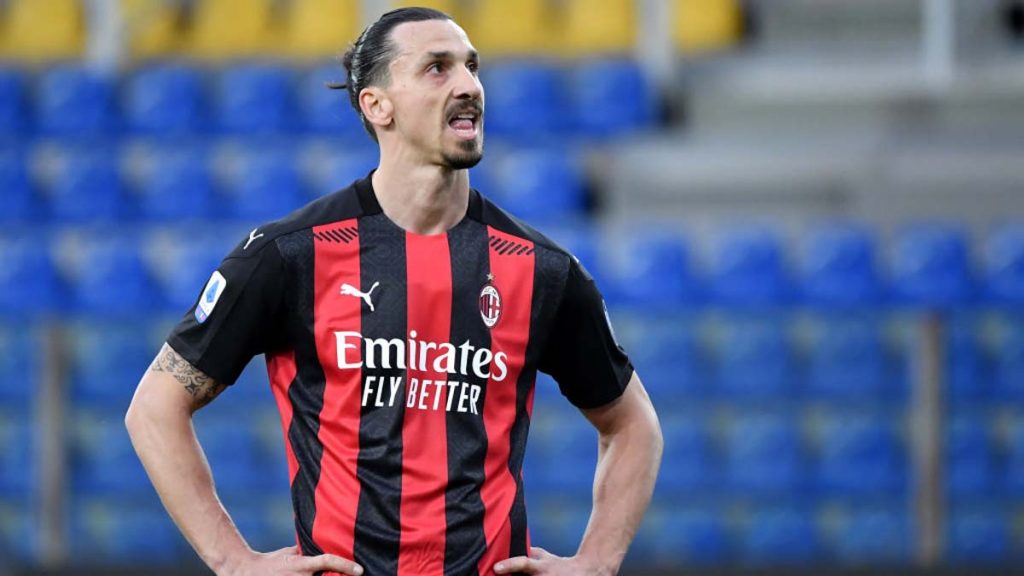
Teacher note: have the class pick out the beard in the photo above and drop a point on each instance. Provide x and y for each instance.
(469, 154)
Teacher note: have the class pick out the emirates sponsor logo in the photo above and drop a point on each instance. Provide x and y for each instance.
(419, 355)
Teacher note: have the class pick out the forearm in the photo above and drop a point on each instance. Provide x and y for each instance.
(167, 446)
(627, 467)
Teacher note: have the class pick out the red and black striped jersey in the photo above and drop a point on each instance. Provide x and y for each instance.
(403, 367)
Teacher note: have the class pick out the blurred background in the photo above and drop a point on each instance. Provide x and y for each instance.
(807, 217)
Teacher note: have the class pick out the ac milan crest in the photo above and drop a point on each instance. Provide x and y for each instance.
(490, 304)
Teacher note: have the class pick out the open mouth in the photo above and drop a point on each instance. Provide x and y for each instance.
(464, 124)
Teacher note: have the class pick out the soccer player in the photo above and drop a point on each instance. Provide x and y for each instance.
(403, 319)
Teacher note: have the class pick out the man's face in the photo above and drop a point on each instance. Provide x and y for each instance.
(437, 97)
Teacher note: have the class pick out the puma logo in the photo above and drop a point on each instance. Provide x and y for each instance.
(349, 290)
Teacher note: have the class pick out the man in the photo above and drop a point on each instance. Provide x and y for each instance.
(403, 319)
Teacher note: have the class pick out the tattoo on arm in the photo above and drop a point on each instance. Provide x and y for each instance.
(201, 387)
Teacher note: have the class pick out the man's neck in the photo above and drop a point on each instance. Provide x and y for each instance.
(423, 199)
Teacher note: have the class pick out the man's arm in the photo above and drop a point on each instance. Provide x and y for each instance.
(159, 422)
(629, 455)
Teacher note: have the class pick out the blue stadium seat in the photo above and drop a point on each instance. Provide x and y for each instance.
(103, 461)
(28, 280)
(569, 452)
(1004, 264)
(267, 185)
(610, 97)
(649, 268)
(111, 277)
(108, 357)
(748, 268)
(188, 257)
(525, 100)
(174, 183)
(17, 469)
(753, 358)
(675, 533)
(72, 100)
(764, 455)
(557, 524)
(20, 364)
(19, 533)
(582, 240)
(254, 98)
(970, 457)
(780, 536)
(20, 202)
(931, 266)
(870, 535)
(265, 519)
(860, 455)
(845, 357)
(688, 464)
(85, 186)
(979, 536)
(232, 448)
(126, 531)
(12, 101)
(1015, 456)
(341, 167)
(838, 266)
(664, 347)
(538, 184)
(164, 98)
(967, 377)
(1008, 358)
(327, 111)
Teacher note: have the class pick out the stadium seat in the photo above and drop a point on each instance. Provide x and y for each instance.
(43, 30)
(20, 365)
(339, 167)
(764, 455)
(233, 449)
(152, 28)
(319, 28)
(706, 25)
(675, 533)
(526, 100)
(83, 184)
(665, 348)
(107, 358)
(126, 531)
(72, 100)
(930, 266)
(648, 268)
(502, 28)
(28, 281)
(837, 265)
(164, 98)
(1015, 456)
(103, 461)
(1004, 264)
(187, 256)
(780, 536)
(538, 184)
(688, 464)
(20, 202)
(1008, 357)
(845, 357)
(110, 276)
(558, 522)
(173, 182)
(748, 269)
(967, 377)
(17, 477)
(567, 446)
(979, 536)
(610, 97)
(12, 101)
(19, 533)
(753, 358)
(327, 111)
(228, 29)
(264, 186)
(870, 535)
(254, 98)
(859, 454)
(970, 457)
(598, 27)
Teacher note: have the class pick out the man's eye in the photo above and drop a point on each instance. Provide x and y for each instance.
(435, 67)
(473, 67)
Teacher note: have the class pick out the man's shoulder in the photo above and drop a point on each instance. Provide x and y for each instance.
(335, 207)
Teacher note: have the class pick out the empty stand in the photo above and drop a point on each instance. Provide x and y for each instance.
(164, 98)
(254, 98)
(930, 266)
(43, 30)
(610, 97)
(748, 268)
(838, 266)
(74, 100)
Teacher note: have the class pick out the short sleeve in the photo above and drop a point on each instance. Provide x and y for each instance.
(237, 316)
(581, 352)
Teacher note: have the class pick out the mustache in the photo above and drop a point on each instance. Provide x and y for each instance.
(466, 106)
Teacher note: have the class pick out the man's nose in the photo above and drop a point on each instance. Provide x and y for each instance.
(467, 84)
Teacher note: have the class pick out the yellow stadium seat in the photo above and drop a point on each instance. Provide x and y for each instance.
(152, 27)
(43, 30)
(509, 27)
(320, 28)
(598, 26)
(232, 28)
(706, 25)
(449, 7)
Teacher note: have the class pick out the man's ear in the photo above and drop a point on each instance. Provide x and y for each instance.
(376, 106)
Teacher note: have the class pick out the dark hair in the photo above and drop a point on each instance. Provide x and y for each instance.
(366, 62)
